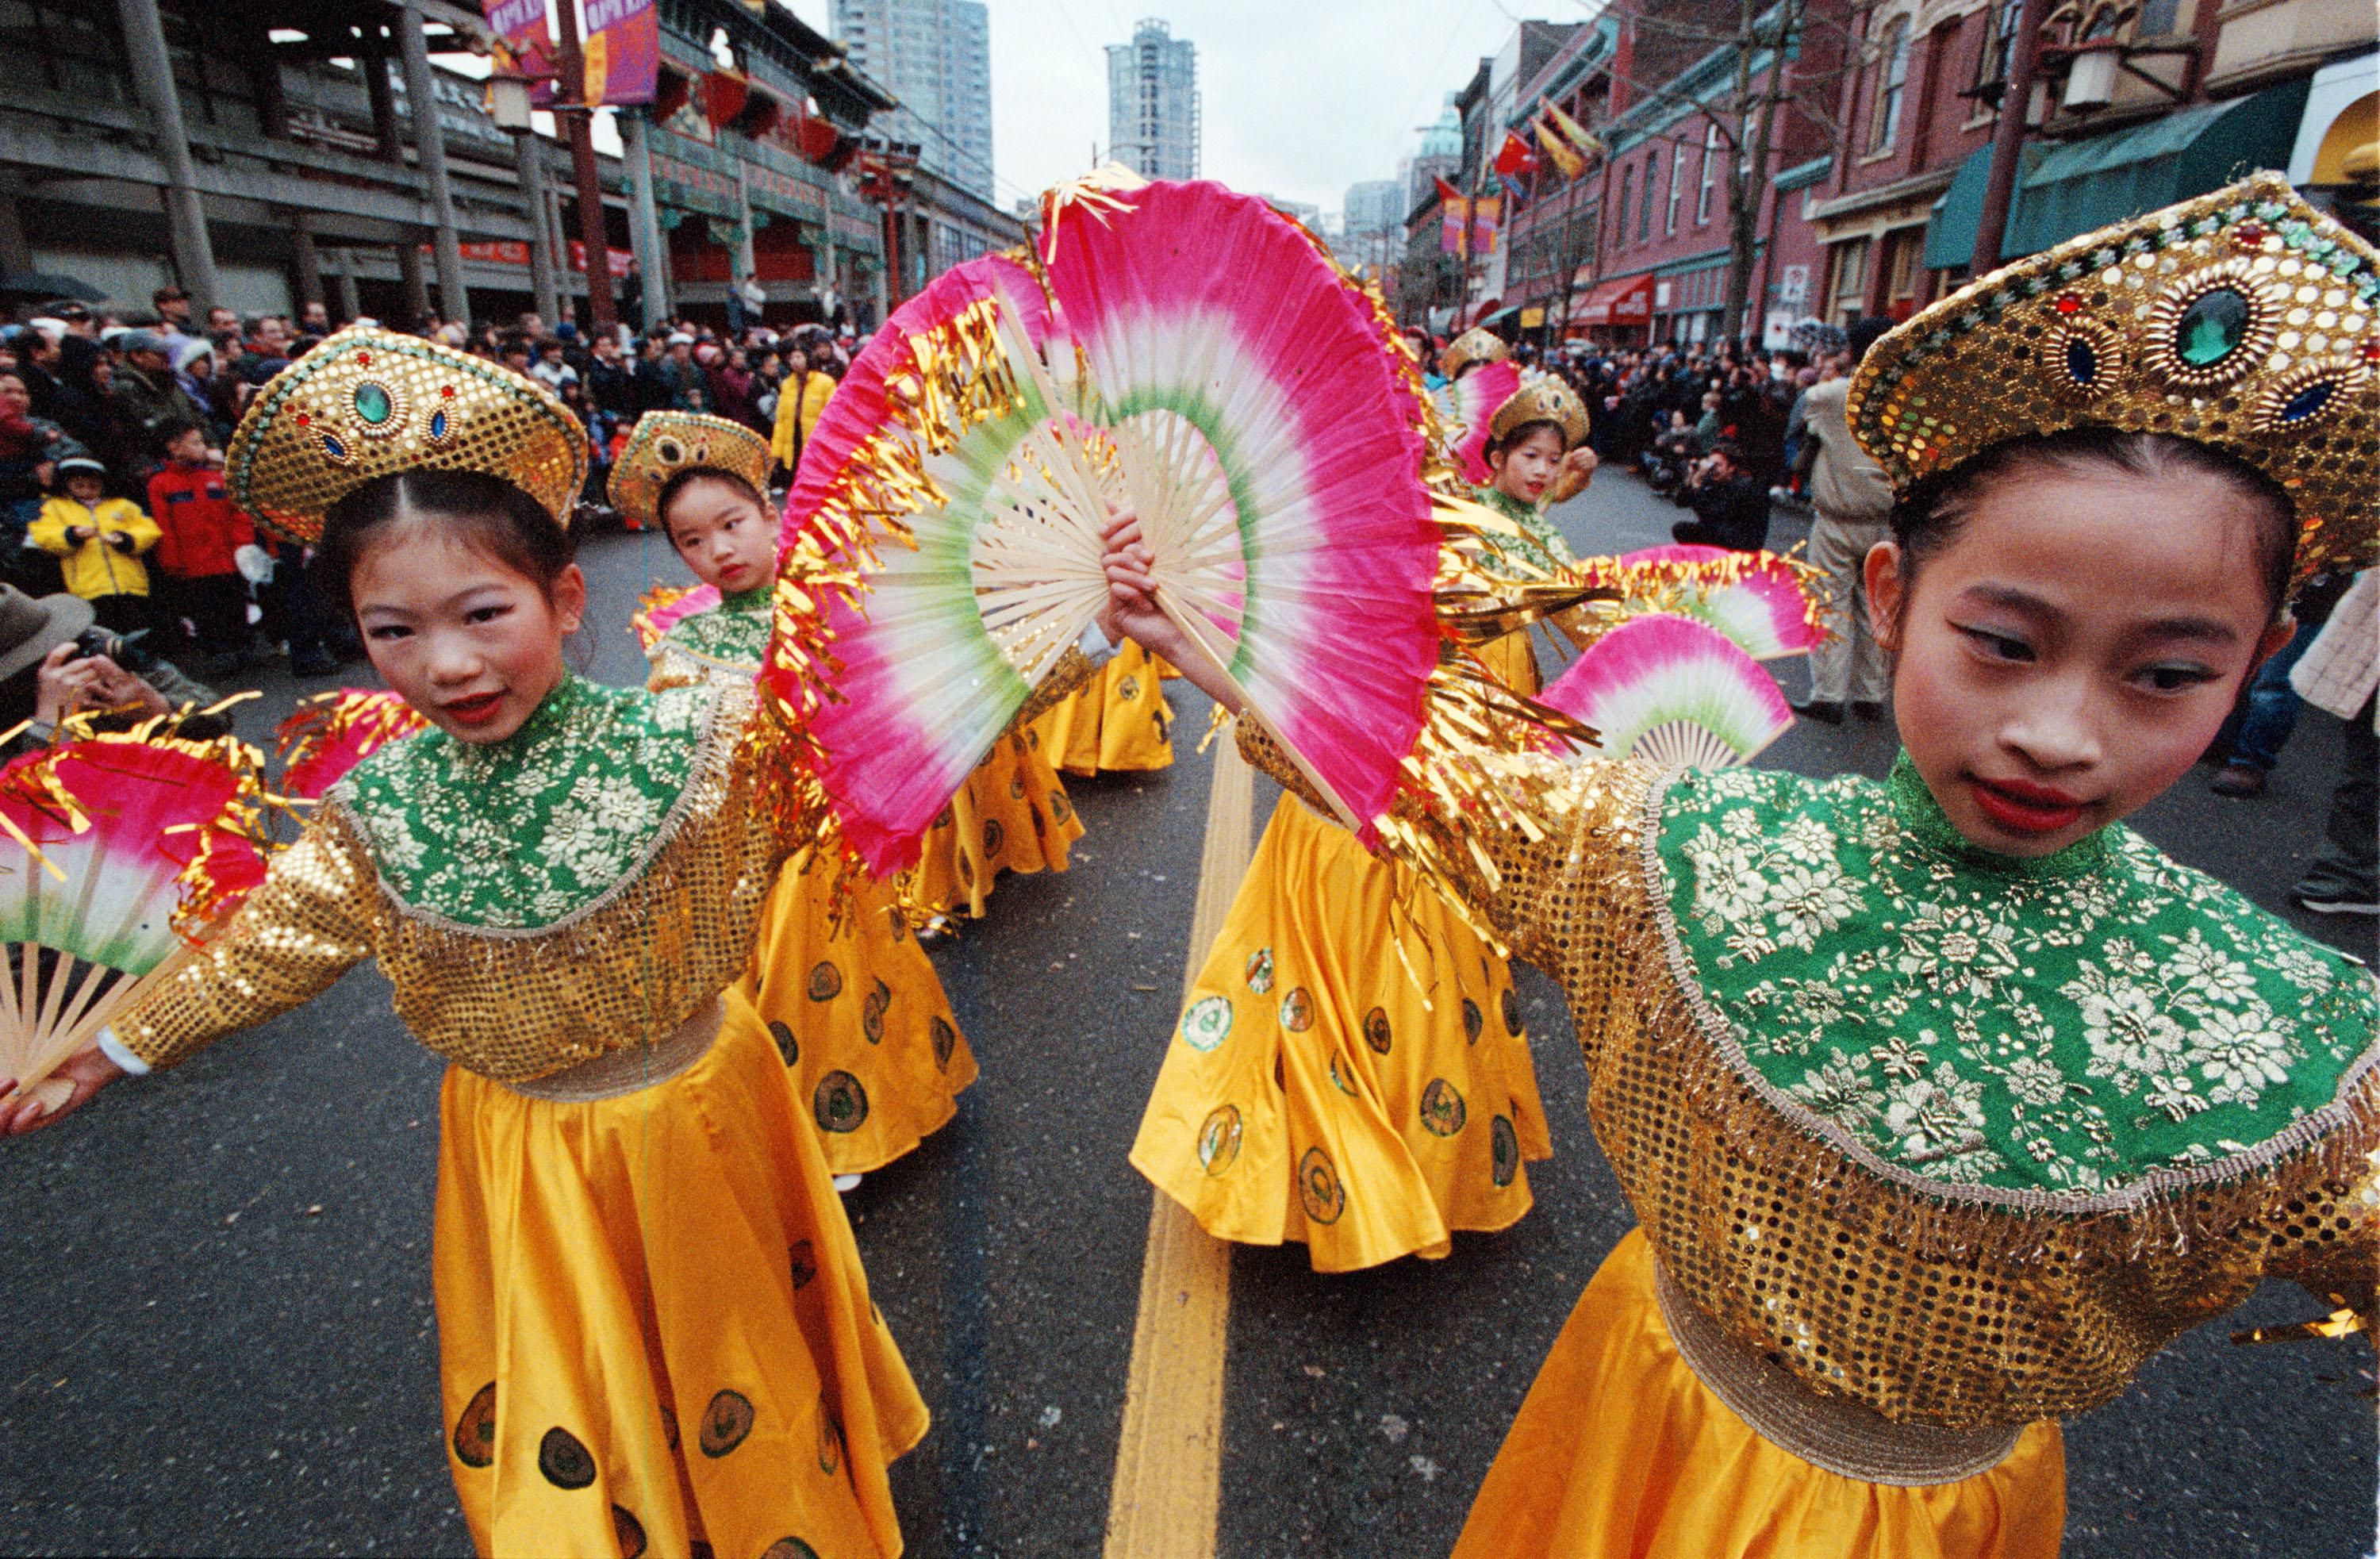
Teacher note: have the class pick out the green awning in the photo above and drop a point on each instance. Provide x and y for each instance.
(2074, 187)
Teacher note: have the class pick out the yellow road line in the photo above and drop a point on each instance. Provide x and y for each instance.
(1169, 1459)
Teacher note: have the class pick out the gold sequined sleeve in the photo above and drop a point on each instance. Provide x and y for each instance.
(310, 921)
(1566, 895)
(1070, 671)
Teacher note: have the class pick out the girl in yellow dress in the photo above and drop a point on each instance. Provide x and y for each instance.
(1946, 1102)
(1538, 454)
(654, 1333)
(1350, 1068)
(1117, 723)
(849, 997)
(1012, 815)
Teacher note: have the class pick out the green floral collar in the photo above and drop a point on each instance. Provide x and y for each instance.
(540, 827)
(1538, 546)
(1930, 827)
(2070, 1034)
(734, 635)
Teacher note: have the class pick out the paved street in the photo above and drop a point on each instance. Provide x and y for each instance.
(218, 1328)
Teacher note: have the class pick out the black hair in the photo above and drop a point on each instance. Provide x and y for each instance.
(1520, 433)
(1732, 450)
(173, 428)
(680, 480)
(1929, 517)
(494, 515)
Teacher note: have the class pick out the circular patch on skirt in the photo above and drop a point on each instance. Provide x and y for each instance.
(1219, 1140)
(1318, 1187)
(802, 1257)
(725, 1423)
(1058, 807)
(993, 836)
(1128, 689)
(789, 1548)
(787, 1046)
(1207, 1022)
(872, 1010)
(1261, 970)
(1375, 1029)
(1442, 1114)
(829, 1436)
(946, 1042)
(945, 818)
(1338, 1079)
(840, 1103)
(826, 982)
(1512, 1013)
(1504, 1156)
(1032, 739)
(629, 1530)
(565, 1460)
(1473, 1020)
(1160, 718)
(967, 868)
(1297, 1011)
(475, 1432)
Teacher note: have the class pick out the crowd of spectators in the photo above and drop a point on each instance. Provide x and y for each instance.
(123, 560)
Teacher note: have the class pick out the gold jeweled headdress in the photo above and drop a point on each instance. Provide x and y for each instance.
(666, 442)
(367, 403)
(1472, 345)
(1542, 400)
(2245, 320)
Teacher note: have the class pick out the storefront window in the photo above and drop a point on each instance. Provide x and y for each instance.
(1884, 120)
(1850, 281)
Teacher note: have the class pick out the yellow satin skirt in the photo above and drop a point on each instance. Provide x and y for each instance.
(653, 1329)
(858, 1014)
(1309, 1092)
(1117, 720)
(1012, 815)
(1620, 1452)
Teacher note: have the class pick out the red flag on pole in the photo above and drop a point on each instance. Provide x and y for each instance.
(1514, 160)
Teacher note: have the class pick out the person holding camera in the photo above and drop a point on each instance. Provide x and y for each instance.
(56, 662)
(1730, 503)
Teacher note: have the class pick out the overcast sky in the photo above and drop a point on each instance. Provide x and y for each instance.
(1302, 98)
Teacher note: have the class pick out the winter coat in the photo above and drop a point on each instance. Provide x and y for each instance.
(96, 567)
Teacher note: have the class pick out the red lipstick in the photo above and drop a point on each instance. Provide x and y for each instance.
(2021, 808)
(477, 709)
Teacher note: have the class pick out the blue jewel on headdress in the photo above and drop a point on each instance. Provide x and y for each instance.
(2308, 402)
(333, 447)
(438, 424)
(2082, 362)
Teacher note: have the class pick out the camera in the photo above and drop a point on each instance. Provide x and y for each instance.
(125, 649)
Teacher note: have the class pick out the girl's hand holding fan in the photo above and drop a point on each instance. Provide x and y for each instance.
(122, 853)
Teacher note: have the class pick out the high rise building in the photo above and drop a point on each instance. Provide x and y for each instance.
(1153, 103)
(935, 55)
(1375, 205)
(1441, 155)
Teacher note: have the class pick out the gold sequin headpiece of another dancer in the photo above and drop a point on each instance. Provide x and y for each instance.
(1542, 400)
(1471, 346)
(666, 442)
(2244, 319)
(367, 403)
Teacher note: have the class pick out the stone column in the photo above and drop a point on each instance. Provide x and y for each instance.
(417, 288)
(152, 78)
(430, 145)
(644, 214)
(351, 303)
(305, 259)
(528, 159)
(371, 58)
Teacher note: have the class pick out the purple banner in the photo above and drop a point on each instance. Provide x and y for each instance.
(624, 50)
(525, 49)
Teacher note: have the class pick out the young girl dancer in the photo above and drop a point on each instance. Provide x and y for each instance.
(654, 1333)
(851, 1000)
(1945, 1102)
(1536, 451)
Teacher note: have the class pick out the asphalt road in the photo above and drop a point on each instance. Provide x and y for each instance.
(215, 1327)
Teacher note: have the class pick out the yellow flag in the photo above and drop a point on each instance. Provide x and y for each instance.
(1588, 143)
(1569, 161)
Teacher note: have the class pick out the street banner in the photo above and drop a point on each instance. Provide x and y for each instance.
(1486, 211)
(1454, 224)
(1567, 161)
(523, 47)
(623, 51)
(1588, 143)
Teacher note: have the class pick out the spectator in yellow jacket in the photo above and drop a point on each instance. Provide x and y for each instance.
(99, 541)
(800, 400)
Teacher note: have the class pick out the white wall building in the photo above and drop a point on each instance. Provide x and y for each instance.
(935, 55)
(1153, 103)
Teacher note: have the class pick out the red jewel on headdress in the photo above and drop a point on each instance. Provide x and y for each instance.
(2248, 235)
(447, 391)
(304, 421)
(363, 359)
(2370, 350)
(2069, 303)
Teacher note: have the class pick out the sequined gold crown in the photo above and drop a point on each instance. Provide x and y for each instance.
(1542, 400)
(368, 402)
(2245, 320)
(666, 442)
(1471, 346)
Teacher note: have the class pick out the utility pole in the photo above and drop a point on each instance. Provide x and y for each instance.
(2007, 138)
(884, 177)
(575, 107)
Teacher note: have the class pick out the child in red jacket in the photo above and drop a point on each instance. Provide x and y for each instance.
(200, 554)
